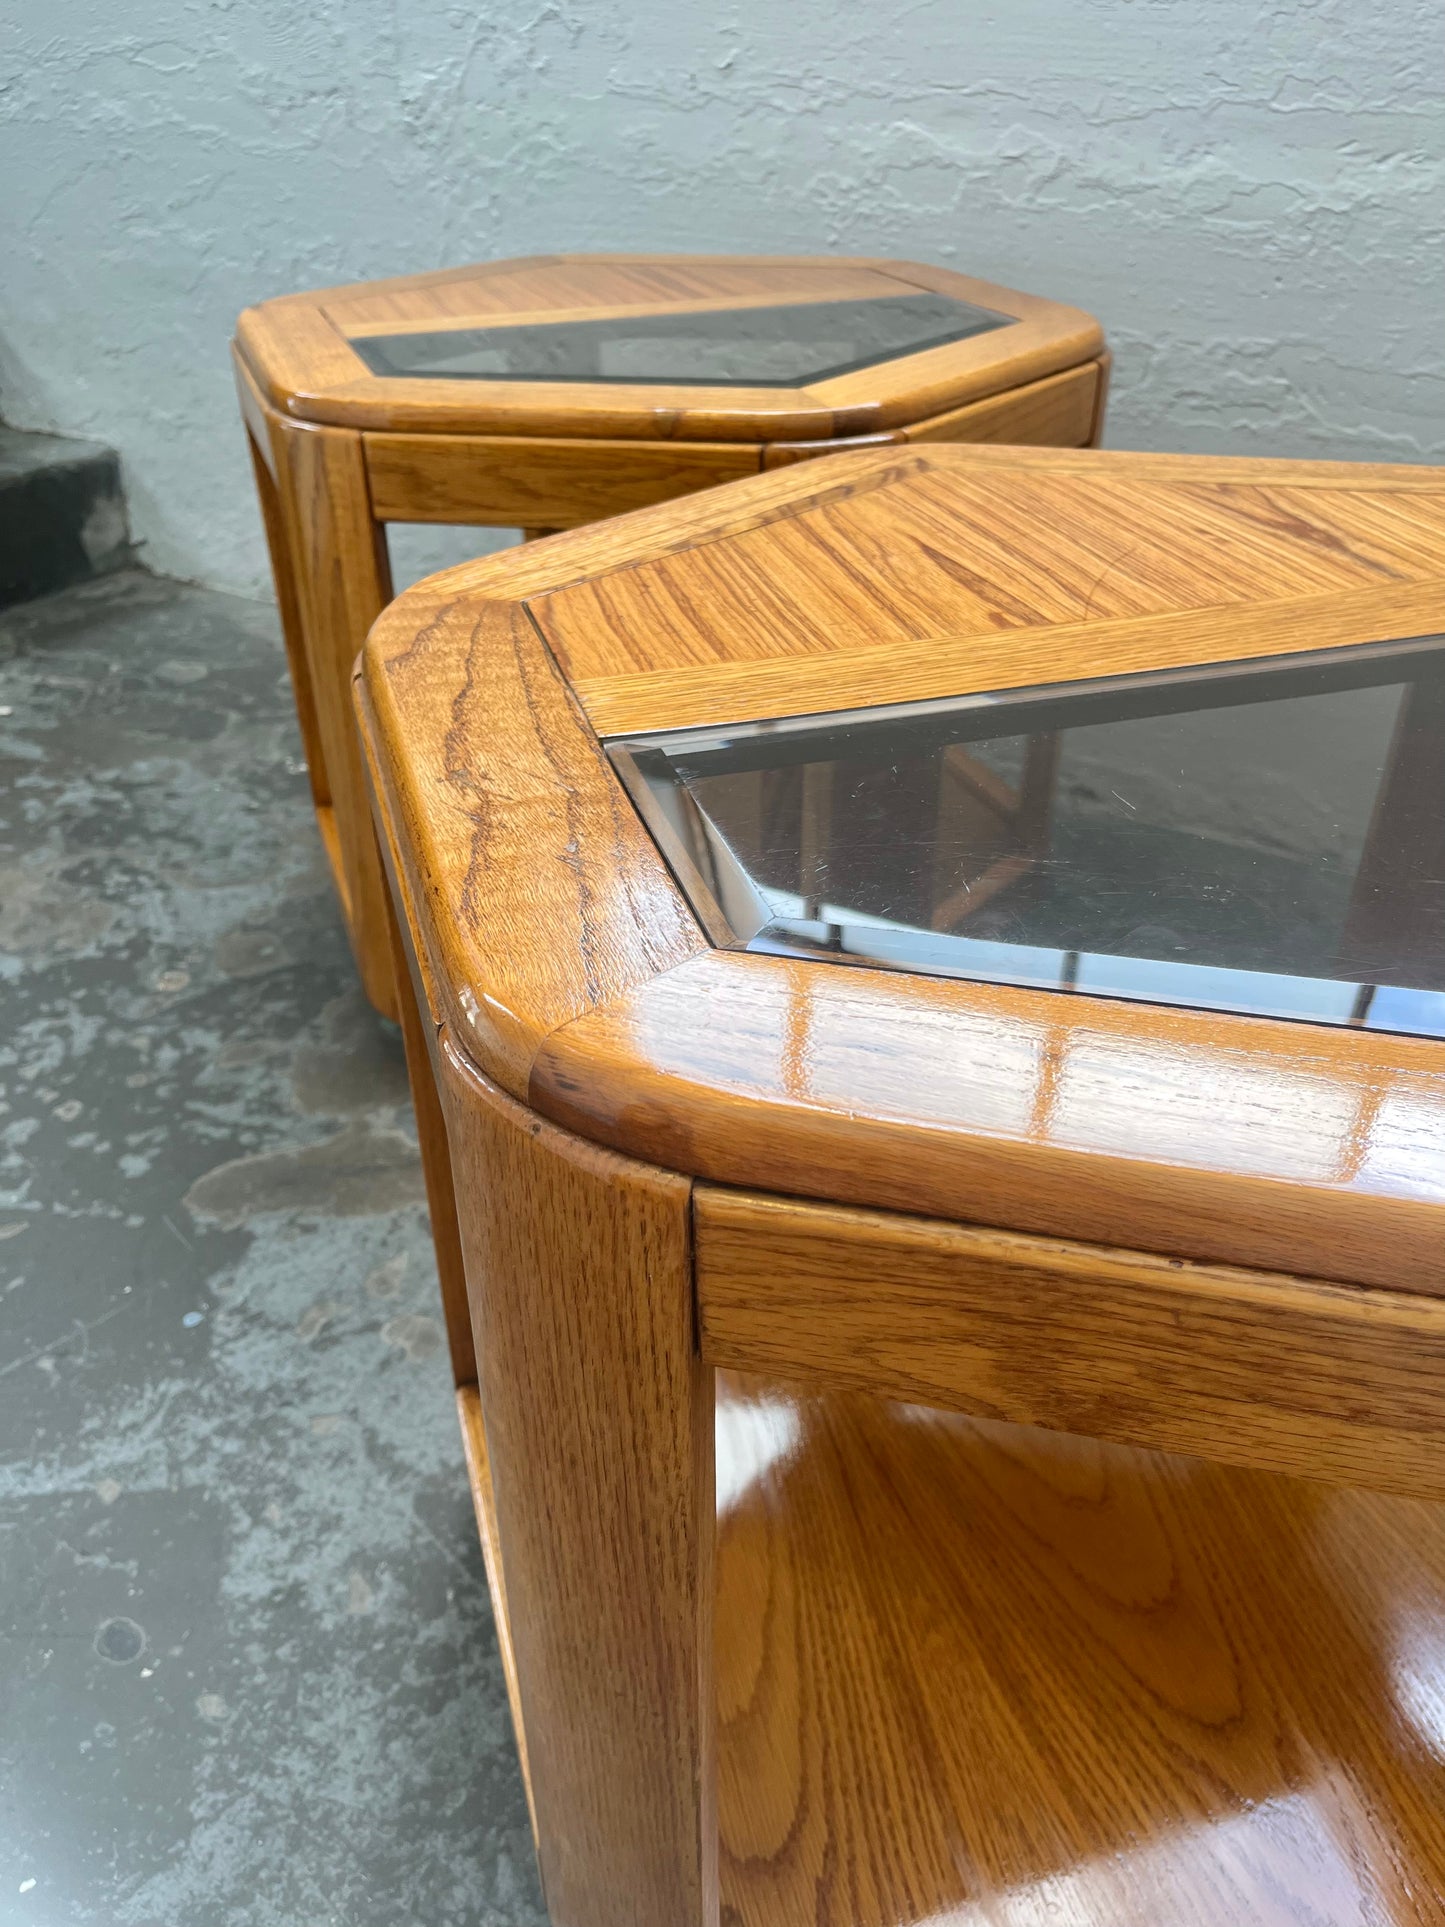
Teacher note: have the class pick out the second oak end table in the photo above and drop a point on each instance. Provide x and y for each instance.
(547, 392)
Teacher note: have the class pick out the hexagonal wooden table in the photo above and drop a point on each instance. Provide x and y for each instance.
(552, 391)
(907, 954)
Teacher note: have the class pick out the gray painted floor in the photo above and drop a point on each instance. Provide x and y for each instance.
(247, 1667)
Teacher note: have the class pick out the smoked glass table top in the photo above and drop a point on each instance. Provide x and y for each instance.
(1265, 837)
(777, 346)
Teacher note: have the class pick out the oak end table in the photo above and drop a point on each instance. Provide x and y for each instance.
(926, 1006)
(548, 392)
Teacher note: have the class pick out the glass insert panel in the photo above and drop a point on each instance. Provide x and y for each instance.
(1266, 837)
(771, 347)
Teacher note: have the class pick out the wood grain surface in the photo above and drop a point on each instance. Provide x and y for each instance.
(420, 1041)
(288, 608)
(997, 658)
(484, 1504)
(340, 582)
(1288, 1147)
(552, 461)
(536, 891)
(943, 578)
(975, 1674)
(298, 349)
(599, 1434)
(515, 481)
(567, 961)
(1060, 411)
(1252, 1368)
(652, 535)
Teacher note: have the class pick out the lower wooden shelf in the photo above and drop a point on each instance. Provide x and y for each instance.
(979, 1674)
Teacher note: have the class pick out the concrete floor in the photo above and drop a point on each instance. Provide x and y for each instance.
(247, 1667)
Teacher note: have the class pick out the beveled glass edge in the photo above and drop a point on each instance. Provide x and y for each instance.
(672, 739)
(1090, 973)
(727, 903)
(748, 923)
(991, 324)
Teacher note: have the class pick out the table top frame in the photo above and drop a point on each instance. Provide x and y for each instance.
(298, 348)
(566, 963)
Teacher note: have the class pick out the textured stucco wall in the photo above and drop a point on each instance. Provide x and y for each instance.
(1250, 195)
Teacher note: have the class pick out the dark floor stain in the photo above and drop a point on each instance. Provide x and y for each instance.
(357, 1065)
(120, 1641)
(361, 1172)
(247, 1670)
(414, 1333)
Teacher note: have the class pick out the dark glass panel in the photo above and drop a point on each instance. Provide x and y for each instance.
(772, 347)
(1266, 837)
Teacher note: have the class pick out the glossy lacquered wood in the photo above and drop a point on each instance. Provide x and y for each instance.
(481, 820)
(598, 1433)
(582, 984)
(521, 481)
(298, 348)
(959, 1672)
(992, 657)
(484, 1504)
(994, 578)
(1290, 1147)
(1115, 1344)
(975, 1674)
(339, 451)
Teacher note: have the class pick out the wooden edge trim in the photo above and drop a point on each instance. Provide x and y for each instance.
(933, 380)
(384, 816)
(1105, 365)
(511, 481)
(255, 412)
(1035, 412)
(484, 1504)
(1244, 471)
(461, 323)
(957, 665)
(508, 1061)
(526, 574)
(1253, 1368)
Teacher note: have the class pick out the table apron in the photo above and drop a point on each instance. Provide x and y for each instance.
(1286, 1374)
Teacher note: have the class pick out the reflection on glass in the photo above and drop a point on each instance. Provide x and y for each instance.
(771, 347)
(1264, 837)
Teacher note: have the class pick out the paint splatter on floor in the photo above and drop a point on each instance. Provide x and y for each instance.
(247, 1669)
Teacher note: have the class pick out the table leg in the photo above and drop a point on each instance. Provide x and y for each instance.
(598, 1418)
(288, 604)
(419, 1034)
(1101, 401)
(343, 582)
